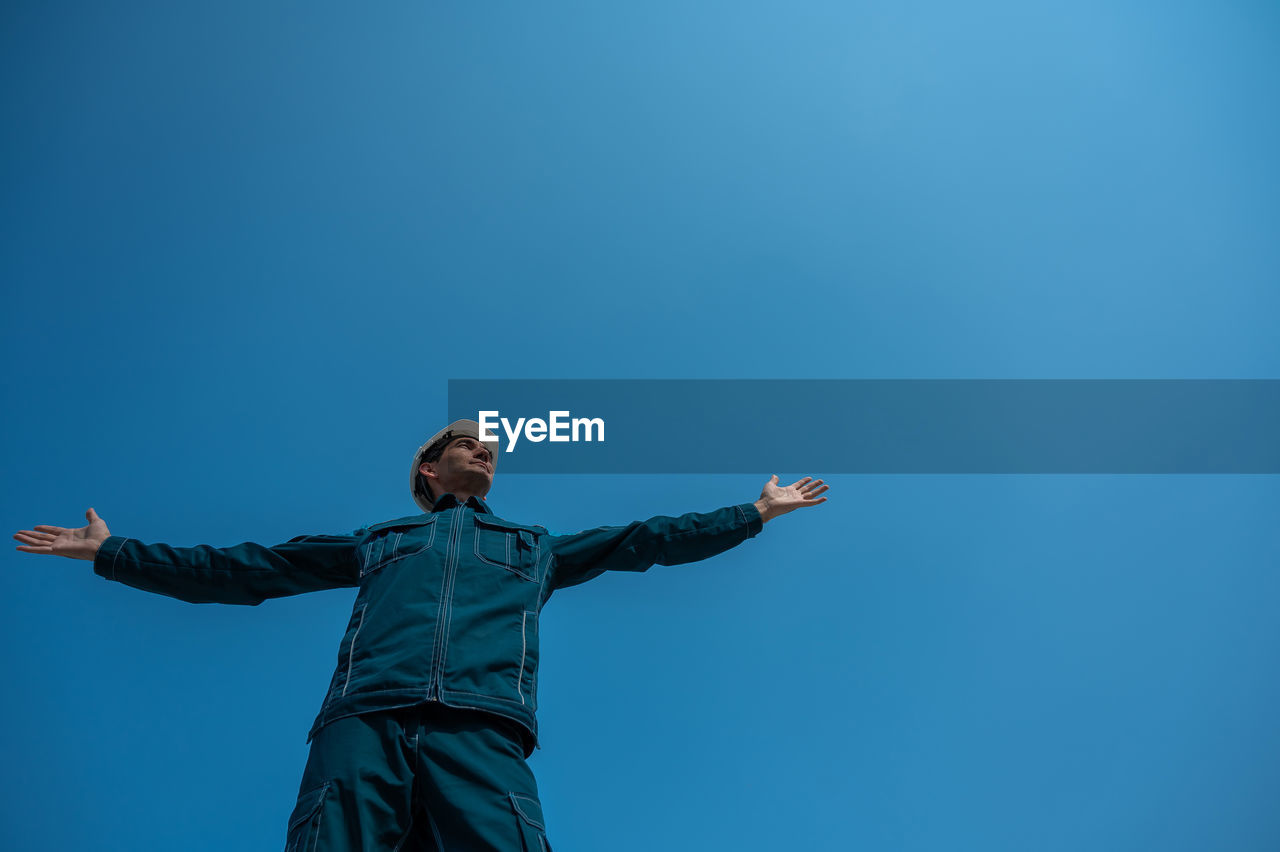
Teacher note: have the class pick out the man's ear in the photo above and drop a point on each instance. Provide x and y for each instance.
(428, 470)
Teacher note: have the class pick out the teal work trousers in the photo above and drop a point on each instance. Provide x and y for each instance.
(418, 779)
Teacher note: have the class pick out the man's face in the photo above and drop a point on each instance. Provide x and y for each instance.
(465, 466)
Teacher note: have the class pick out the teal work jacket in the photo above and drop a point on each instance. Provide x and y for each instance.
(449, 600)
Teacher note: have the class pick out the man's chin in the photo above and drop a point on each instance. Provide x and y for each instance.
(479, 481)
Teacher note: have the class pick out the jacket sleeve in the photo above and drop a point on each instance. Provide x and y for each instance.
(657, 541)
(244, 574)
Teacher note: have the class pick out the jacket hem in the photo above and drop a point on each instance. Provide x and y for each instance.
(355, 705)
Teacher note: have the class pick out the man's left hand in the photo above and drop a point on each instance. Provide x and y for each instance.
(777, 499)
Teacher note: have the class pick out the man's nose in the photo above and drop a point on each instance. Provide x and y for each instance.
(483, 453)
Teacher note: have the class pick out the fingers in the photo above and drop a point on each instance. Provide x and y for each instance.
(45, 528)
(810, 487)
(809, 490)
(813, 489)
(91, 515)
(807, 485)
(802, 493)
(34, 542)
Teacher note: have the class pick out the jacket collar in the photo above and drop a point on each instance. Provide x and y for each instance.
(448, 501)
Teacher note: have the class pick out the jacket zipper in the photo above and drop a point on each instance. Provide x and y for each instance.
(446, 594)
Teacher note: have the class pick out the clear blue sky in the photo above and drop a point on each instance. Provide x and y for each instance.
(245, 245)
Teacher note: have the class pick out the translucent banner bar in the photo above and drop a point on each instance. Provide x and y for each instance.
(822, 426)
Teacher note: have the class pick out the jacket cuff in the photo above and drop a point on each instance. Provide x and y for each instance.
(104, 561)
(751, 517)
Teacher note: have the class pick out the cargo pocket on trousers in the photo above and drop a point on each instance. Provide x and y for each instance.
(304, 822)
(529, 818)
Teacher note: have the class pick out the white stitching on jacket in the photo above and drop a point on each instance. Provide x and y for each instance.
(351, 652)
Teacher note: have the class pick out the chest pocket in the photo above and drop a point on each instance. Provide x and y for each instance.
(507, 545)
(392, 541)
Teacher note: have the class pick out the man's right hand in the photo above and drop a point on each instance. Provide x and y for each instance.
(81, 543)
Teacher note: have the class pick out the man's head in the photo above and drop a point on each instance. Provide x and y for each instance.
(453, 460)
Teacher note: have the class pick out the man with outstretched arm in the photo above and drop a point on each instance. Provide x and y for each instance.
(422, 738)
